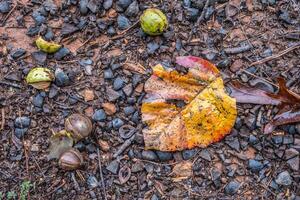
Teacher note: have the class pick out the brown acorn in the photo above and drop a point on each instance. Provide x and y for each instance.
(70, 159)
(79, 126)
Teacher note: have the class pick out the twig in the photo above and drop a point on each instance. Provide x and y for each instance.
(101, 174)
(10, 84)
(83, 44)
(240, 49)
(7, 16)
(275, 56)
(199, 20)
(58, 187)
(261, 78)
(122, 34)
(3, 118)
(122, 148)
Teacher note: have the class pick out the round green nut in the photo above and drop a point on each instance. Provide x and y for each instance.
(153, 21)
(48, 47)
(40, 77)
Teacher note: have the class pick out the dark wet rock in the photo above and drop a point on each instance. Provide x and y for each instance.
(68, 29)
(38, 18)
(128, 110)
(18, 53)
(49, 34)
(216, 177)
(277, 139)
(284, 178)
(107, 4)
(123, 3)
(205, 154)
(92, 182)
(189, 153)
(232, 187)
(149, 155)
(152, 47)
(133, 9)
(111, 31)
(39, 56)
(38, 100)
(83, 6)
(53, 92)
(20, 132)
(61, 78)
(112, 94)
(118, 83)
(61, 53)
(253, 139)
(123, 22)
(99, 115)
(93, 6)
(4, 7)
(288, 139)
(136, 117)
(255, 165)
(108, 74)
(164, 156)
(191, 14)
(91, 148)
(22, 122)
(233, 143)
(117, 123)
(33, 30)
(113, 166)
(294, 163)
(102, 24)
(128, 89)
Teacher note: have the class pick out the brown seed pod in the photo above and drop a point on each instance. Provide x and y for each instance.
(79, 126)
(70, 160)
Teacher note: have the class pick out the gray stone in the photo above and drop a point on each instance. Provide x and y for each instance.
(232, 187)
(284, 178)
(149, 155)
(255, 165)
(113, 166)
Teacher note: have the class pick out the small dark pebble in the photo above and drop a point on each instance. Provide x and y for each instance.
(20, 132)
(284, 178)
(123, 22)
(232, 187)
(164, 156)
(80, 146)
(107, 4)
(99, 115)
(67, 29)
(18, 53)
(4, 7)
(111, 31)
(115, 66)
(53, 92)
(38, 100)
(38, 18)
(188, 154)
(61, 53)
(83, 7)
(135, 117)
(187, 3)
(152, 47)
(117, 123)
(234, 144)
(93, 6)
(149, 155)
(108, 74)
(224, 63)
(61, 78)
(112, 95)
(205, 155)
(154, 197)
(288, 139)
(49, 34)
(39, 57)
(253, 139)
(22, 122)
(277, 139)
(33, 30)
(113, 166)
(123, 3)
(128, 110)
(92, 182)
(191, 14)
(133, 9)
(102, 24)
(91, 148)
(255, 165)
(118, 83)
(215, 176)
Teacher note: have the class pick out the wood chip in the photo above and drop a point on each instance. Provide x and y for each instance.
(109, 108)
(88, 95)
(135, 67)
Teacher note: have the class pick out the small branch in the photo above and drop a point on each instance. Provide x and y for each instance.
(275, 56)
(101, 174)
(240, 49)
(10, 84)
(122, 148)
(122, 34)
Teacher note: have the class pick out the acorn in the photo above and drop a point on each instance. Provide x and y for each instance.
(153, 21)
(79, 126)
(70, 159)
(40, 77)
(47, 47)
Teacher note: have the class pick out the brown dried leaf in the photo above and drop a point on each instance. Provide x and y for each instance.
(182, 170)
(124, 174)
(135, 67)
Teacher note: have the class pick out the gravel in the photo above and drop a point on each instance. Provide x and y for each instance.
(232, 187)
(284, 178)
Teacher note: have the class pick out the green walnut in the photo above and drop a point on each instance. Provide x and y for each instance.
(40, 78)
(48, 47)
(153, 21)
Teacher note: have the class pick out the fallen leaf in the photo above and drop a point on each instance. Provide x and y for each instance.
(182, 170)
(124, 174)
(183, 111)
(59, 143)
(135, 67)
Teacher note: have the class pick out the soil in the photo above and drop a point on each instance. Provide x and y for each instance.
(107, 67)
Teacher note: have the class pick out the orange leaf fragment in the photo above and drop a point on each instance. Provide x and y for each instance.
(183, 111)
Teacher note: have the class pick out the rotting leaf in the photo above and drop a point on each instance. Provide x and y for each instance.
(59, 143)
(182, 170)
(207, 115)
(124, 174)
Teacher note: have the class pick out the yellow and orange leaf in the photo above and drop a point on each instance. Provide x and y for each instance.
(207, 116)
